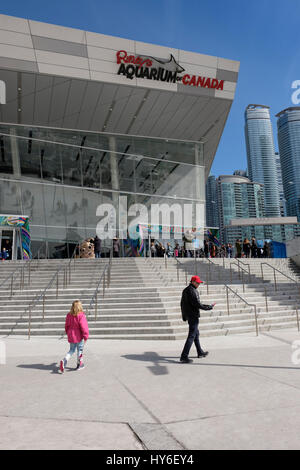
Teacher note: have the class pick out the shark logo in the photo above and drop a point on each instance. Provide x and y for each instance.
(170, 64)
(2, 92)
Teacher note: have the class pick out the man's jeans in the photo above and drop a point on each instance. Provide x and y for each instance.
(73, 347)
(97, 254)
(193, 337)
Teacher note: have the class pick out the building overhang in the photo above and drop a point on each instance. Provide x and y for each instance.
(262, 221)
(71, 79)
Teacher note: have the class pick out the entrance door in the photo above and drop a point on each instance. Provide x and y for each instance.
(10, 243)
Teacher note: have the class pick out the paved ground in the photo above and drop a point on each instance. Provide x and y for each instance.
(135, 395)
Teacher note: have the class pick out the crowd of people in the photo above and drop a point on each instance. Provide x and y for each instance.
(241, 249)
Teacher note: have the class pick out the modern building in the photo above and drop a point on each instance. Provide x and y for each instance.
(280, 185)
(88, 119)
(238, 198)
(278, 229)
(261, 155)
(288, 125)
(212, 217)
(240, 173)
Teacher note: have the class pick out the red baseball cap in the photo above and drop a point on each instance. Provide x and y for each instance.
(196, 279)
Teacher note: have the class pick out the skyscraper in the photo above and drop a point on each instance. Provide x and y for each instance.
(288, 126)
(261, 155)
(238, 197)
(212, 219)
(280, 185)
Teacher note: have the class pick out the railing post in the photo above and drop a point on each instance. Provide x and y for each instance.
(227, 298)
(96, 306)
(256, 325)
(57, 285)
(243, 281)
(29, 273)
(177, 272)
(104, 284)
(230, 274)
(185, 275)
(43, 308)
(275, 280)
(11, 285)
(266, 299)
(297, 316)
(29, 323)
(262, 271)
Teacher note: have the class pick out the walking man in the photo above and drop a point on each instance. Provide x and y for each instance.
(190, 306)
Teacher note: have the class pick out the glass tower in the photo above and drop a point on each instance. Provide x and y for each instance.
(288, 125)
(261, 155)
(238, 197)
(212, 219)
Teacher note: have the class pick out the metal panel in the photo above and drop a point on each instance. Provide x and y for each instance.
(57, 45)
(59, 100)
(90, 100)
(18, 64)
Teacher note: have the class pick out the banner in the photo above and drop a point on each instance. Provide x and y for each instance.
(23, 223)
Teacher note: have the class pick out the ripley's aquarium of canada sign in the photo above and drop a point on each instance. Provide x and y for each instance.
(133, 66)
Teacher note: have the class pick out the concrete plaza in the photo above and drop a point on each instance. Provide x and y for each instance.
(136, 395)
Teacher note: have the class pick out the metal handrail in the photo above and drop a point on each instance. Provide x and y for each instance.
(278, 270)
(245, 264)
(21, 270)
(245, 301)
(42, 295)
(275, 285)
(227, 296)
(94, 298)
(242, 270)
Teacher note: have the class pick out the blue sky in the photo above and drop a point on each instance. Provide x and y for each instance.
(262, 34)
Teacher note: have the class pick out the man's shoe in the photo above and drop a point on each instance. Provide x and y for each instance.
(203, 354)
(186, 360)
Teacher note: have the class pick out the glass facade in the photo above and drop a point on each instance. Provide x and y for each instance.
(288, 125)
(59, 178)
(278, 233)
(238, 198)
(261, 155)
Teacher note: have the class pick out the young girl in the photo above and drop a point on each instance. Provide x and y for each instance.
(78, 332)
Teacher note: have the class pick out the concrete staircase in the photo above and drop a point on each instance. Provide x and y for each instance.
(143, 299)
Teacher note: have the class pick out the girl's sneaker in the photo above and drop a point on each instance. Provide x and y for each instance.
(62, 365)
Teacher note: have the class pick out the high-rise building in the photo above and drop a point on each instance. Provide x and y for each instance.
(212, 219)
(240, 173)
(280, 185)
(261, 155)
(288, 125)
(238, 197)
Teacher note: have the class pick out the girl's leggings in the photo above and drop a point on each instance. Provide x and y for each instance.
(73, 347)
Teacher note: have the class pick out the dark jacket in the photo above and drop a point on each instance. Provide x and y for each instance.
(97, 244)
(190, 304)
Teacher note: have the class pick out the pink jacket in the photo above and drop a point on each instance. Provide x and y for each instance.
(76, 327)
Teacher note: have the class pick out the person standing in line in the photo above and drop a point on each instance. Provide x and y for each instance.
(77, 330)
(153, 250)
(246, 247)
(253, 248)
(206, 249)
(238, 247)
(116, 248)
(97, 247)
(190, 306)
